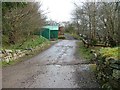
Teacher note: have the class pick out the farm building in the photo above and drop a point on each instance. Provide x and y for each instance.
(50, 32)
(61, 30)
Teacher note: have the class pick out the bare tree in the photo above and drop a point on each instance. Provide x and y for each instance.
(99, 21)
(21, 22)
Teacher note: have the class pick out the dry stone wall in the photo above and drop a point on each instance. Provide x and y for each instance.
(9, 55)
(108, 72)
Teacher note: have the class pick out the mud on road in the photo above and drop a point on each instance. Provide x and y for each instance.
(56, 67)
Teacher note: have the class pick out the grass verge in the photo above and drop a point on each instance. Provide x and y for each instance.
(84, 52)
(28, 56)
(32, 42)
(41, 46)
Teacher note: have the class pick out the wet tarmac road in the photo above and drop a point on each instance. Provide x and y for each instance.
(56, 67)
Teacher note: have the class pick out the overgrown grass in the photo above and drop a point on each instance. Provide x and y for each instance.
(110, 52)
(84, 52)
(3, 64)
(32, 42)
(0, 64)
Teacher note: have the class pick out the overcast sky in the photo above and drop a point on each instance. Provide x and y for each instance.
(58, 10)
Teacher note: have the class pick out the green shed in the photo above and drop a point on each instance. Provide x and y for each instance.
(50, 32)
(45, 32)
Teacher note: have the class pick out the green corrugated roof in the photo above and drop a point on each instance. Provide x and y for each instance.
(51, 27)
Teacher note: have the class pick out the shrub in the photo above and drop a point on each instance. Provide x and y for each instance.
(109, 52)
